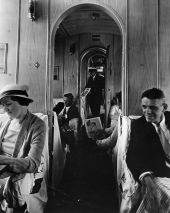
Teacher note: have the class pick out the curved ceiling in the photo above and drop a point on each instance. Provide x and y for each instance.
(87, 19)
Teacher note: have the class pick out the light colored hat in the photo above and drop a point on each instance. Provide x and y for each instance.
(15, 90)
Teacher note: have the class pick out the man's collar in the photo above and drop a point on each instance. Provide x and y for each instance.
(67, 107)
(161, 123)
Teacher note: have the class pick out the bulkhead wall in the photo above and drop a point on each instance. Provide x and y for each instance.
(116, 18)
(29, 56)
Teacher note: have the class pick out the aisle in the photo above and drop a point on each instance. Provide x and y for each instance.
(88, 184)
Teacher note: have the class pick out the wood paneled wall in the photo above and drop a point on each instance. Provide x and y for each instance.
(117, 64)
(59, 61)
(164, 47)
(33, 53)
(142, 49)
(71, 66)
(9, 11)
(147, 45)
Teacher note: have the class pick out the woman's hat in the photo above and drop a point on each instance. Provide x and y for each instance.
(15, 90)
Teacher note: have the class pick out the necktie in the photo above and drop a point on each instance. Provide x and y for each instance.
(165, 142)
(64, 111)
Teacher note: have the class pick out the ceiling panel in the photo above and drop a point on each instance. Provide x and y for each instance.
(87, 20)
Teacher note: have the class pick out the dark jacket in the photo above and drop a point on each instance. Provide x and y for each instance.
(58, 107)
(145, 151)
(96, 86)
(72, 113)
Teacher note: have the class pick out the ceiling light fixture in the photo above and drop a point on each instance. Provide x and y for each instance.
(31, 10)
(94, 16)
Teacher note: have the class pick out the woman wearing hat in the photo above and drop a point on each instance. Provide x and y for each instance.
(22, 137)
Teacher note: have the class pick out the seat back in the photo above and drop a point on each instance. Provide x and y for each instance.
(58, 155)
(45, 153)
(125, 181)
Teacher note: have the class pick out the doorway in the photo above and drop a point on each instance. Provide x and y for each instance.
(93, 57)
(78, 36)
(81, 40)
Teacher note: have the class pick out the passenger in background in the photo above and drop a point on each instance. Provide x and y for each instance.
(115, 112)
(148, 154)
(95, 97)
(68, 117)
(111, 133)
(67, 110)
(22, 137)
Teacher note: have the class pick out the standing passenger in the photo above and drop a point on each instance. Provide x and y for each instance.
(95, 97)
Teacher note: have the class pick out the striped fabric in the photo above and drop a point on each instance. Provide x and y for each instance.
(149, 205)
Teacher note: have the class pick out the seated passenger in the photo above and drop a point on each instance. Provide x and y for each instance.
(22, 137)
(115, 111)
(66, 116)
(111, 132)
(148, 154)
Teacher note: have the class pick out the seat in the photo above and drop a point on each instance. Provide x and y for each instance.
(58, 155)
(126, 184)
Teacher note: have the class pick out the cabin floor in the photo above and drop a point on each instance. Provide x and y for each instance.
(88, 184)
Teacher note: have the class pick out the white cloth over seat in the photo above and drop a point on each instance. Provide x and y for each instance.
(126, 183)
(59, 155)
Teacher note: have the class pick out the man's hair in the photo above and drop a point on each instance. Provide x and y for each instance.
(153, 93)
(69, 96)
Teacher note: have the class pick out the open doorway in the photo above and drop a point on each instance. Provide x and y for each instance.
(107, 60)
(93, 58)
(83, 34)
(87, 32)
(98, 61)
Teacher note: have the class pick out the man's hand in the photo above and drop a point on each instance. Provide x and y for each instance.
(148, 186)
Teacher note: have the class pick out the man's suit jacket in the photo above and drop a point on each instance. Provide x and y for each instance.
(96, 86)
(145, 151)
(72, 113)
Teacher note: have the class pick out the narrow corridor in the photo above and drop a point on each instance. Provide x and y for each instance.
(88, 184)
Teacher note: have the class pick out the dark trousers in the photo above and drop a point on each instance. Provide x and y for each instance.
(94, 104)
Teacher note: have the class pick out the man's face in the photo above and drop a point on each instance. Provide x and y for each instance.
(153, 109)
(67, 101)
(12, 108)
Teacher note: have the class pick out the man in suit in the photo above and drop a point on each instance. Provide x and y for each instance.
(148, 155)
(66, 112)
(97, 84)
